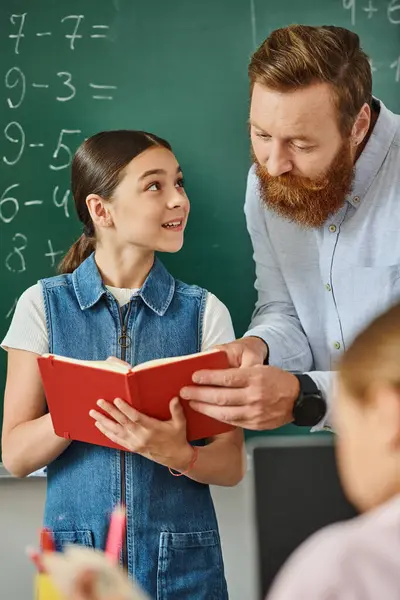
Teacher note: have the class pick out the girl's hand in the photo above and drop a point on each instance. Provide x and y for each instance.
(161, 441)
(86, 574)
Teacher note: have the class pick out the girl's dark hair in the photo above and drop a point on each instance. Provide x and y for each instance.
(97, 168)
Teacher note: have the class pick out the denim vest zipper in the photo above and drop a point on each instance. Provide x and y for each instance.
(124, 341)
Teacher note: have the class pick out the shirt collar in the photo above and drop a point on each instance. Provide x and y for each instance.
(373, 155)
(156, 292)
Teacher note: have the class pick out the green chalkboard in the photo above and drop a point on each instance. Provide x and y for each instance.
(178, 69)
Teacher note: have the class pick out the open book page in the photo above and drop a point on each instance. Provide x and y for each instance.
(120, 367)
(162, 361)
(107, 365)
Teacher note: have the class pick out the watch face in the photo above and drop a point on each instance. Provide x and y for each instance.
(309, 410)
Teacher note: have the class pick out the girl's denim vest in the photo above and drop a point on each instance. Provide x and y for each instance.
(172, 544)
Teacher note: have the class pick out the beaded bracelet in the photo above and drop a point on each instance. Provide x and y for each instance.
(191, 464)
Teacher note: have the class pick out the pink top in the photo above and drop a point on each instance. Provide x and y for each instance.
(354, 560)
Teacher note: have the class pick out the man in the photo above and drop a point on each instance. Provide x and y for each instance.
(323, 212)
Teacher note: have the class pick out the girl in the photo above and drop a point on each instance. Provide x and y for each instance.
(360, 559)
(115, 298)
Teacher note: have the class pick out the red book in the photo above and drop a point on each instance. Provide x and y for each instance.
(72, 388)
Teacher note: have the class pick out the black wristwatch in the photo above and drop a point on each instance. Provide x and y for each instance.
(310, 406)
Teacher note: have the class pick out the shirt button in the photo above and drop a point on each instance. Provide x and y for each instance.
(337, 345)
(332, 228)
(356, 199)
(328, 287)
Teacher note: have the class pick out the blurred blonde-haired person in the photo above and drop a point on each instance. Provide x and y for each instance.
(359, 559)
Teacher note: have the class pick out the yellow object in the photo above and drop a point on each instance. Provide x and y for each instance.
(45, 589)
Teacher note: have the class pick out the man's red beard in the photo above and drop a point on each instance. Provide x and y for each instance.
(309, 202)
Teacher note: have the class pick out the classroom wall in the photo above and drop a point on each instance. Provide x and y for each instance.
(21, 506)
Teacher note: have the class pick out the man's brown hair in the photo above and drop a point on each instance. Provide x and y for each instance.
(300, 55)
(374, 356)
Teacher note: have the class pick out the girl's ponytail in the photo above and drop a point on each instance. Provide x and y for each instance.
(79, 251)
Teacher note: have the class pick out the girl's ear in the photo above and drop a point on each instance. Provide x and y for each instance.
(99, 211)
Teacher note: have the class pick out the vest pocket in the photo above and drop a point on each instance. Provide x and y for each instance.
(82, 537)
(190, 566)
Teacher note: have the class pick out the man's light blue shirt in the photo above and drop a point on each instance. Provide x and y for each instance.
(318, 288)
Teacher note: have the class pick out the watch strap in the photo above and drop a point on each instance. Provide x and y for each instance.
(307, 384)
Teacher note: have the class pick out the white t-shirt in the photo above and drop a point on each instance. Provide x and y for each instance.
(28, 329)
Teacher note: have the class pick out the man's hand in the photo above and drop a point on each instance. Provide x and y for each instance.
(246, 352)
(257, 397)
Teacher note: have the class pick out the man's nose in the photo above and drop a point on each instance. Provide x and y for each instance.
(278, 162)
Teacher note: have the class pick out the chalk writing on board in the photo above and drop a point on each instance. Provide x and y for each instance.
(10, 312)
(15, 260)
(67, 78)
(396, 65)
(63, 89)
(14, 78)
(33, 203)
(52, 254)
(351, 6)
(17, 36)
(19, 21)
(66, 149)
(393, 12)
(96, 86)
(99, 27)
(15, 134)
(14, 128)
(9, 206)
(64, 200)
(370, 10)
(75, 35)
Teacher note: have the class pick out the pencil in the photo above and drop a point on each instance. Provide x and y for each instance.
(116, 534)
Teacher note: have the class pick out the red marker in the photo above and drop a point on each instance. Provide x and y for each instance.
(47, 541)
(116, 534)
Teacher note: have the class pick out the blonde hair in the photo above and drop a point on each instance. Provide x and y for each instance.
(299, 55)
(374, 356)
